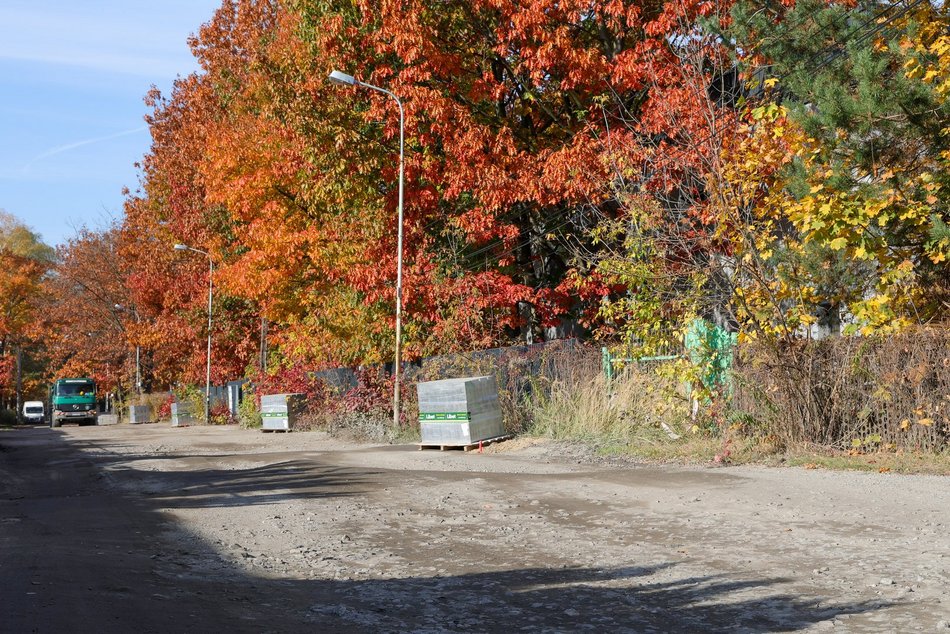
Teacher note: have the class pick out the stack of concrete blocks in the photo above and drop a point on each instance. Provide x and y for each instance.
(183, 414)
(459, 412)
(139, 414)
(279, 412)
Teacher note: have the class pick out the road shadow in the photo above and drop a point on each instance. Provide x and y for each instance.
(221, 479)
(569, 600)
(80, 554)
(245, 486)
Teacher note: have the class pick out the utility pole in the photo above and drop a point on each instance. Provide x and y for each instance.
(185, 247)
(263, 344)
(342, 79)
(19, 383)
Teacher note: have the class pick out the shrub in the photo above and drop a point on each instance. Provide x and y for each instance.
(164, 410)
(249, 412)
(221, 414)
(289, 380)
(857, 393)
(363, 412)
(195, 398)
(160, 402)
(371, 394)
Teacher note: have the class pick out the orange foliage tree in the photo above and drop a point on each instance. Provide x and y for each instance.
(517, 117)
(24, 261)
(85, 320)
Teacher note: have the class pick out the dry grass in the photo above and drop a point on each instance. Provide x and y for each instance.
(706, 450)
(639, 407)
(640, 415)
(695, 449)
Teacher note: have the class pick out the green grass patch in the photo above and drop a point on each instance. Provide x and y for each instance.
(883, 462)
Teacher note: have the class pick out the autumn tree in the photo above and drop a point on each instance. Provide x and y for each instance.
(862, 201)
(566, 161)
(169, 289)
(519, 109)
(87, 321)
(24, 259)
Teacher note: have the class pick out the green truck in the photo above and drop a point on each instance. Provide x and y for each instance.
(73, 400)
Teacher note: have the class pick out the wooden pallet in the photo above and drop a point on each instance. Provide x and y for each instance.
(471, 447)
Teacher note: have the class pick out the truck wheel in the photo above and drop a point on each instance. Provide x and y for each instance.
(55, 423)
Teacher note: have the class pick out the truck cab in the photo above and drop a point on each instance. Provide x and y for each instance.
(73, 400)
(34, 412)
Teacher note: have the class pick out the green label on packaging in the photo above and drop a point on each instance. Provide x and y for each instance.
(444, 417)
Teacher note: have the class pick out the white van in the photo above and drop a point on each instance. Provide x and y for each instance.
(33, 412)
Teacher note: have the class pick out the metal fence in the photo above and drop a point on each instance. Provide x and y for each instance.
(230, 394)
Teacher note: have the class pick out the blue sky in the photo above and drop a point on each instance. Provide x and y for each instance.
(72, 78)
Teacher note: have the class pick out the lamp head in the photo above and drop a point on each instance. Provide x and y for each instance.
(342, 79)
(181, 247)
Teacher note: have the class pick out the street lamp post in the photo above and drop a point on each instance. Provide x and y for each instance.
(138, 362)
(185, 247)
(342, 79)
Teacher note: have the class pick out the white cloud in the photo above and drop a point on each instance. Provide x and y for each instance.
(25, 170)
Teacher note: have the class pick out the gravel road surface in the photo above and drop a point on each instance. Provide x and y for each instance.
(148, 528)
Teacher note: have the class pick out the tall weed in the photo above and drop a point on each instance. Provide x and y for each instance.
(639, 405)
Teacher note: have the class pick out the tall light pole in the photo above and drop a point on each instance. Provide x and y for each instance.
(185, 247)
(342, 79)
(138, 363)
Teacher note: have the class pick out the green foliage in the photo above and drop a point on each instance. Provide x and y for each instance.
(19, 239)
(195, 399)
(866, 192)
(841, 71)
(249, 414)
